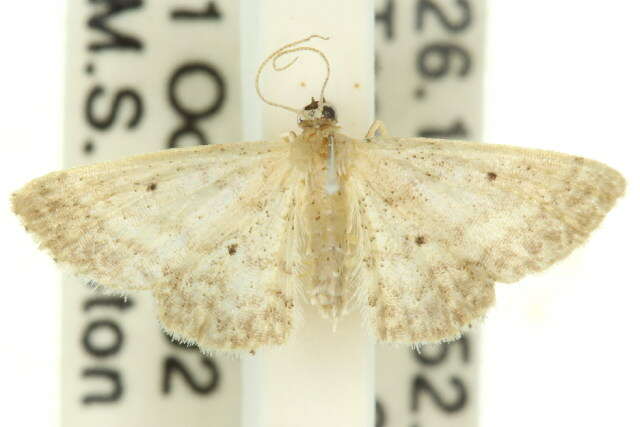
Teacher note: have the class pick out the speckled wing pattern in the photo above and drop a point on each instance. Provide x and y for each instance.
(209, 230)
(440, 221)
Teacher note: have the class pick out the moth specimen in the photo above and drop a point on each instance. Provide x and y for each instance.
(231, 239)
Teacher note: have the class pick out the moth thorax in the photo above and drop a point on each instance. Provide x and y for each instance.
(317, 114)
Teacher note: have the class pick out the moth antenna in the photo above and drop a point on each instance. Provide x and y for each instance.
(285, 50)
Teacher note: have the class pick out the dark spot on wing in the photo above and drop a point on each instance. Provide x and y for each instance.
(491, 176)
(152, 186)
(232, 249)
(420, 240)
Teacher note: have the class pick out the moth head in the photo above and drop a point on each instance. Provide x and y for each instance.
(318, 114)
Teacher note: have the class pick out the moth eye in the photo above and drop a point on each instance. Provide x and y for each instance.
(328, 113)
(312, 105)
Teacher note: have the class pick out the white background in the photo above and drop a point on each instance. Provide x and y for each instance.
(559, 348)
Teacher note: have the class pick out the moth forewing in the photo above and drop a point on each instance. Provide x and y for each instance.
(180, 222)
(444, 220)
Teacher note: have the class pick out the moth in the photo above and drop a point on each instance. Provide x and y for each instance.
(232, 239)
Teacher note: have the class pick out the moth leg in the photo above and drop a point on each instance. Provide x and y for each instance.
(289, 137)
(377, 128)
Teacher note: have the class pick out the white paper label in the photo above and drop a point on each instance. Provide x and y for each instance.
(429, 83)
(143, 76)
